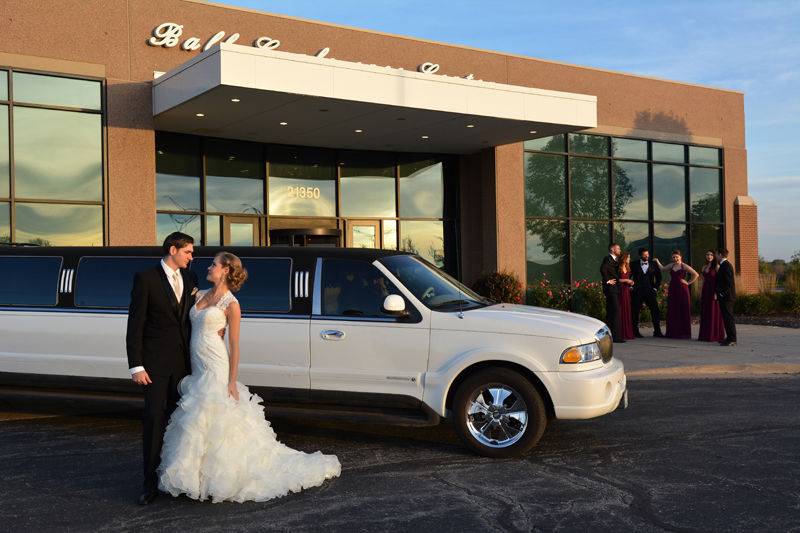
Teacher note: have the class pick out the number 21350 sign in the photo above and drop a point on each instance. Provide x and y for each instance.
(308, 193)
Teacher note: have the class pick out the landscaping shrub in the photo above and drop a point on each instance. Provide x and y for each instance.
(500, 286)
(754, 304)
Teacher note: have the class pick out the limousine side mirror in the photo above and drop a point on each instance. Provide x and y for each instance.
(395, 305)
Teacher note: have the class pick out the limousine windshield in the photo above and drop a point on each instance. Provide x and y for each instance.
(434, 288)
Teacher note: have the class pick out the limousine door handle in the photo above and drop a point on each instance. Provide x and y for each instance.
(332, 334)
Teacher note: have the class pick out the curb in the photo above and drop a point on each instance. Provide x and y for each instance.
(717, 371)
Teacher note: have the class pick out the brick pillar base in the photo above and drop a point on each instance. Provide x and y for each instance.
(745, 214)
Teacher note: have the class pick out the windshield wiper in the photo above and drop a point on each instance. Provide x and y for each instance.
(453, 302)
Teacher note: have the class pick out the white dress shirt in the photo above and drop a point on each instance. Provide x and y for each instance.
(645, 266)
(176, 282)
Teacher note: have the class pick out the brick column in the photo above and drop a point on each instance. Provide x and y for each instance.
(745, 213)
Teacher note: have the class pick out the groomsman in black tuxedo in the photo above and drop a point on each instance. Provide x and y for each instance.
(646, 278)
(609, 271)
(726, 294)
(158, 344)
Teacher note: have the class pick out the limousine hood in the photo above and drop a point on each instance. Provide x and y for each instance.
(529, 320)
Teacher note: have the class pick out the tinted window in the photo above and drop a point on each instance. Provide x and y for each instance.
(431, 286)
(107, 281)
(354, 288)
(267, 286)
(29, 280)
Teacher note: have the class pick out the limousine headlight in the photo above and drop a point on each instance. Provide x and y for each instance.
(584, 353)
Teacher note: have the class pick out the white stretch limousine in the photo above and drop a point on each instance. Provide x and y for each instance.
(364, 335)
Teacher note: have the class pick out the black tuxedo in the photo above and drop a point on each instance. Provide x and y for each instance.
(645, 287)
(158, 339)
(726, 294)
(609, 269)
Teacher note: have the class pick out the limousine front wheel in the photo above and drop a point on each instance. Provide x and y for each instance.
(499, 413)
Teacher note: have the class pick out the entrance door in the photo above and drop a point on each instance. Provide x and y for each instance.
(240, 231)
(364, 234)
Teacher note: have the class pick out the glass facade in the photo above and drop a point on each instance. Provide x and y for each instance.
(584, 191)
(57, 199)
(225, 192)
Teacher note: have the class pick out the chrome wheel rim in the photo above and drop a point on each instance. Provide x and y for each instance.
(497, 415)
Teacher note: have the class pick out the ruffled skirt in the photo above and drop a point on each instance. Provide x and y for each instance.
(218, 448)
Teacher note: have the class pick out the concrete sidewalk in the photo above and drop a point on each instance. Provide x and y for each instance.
(760, 351)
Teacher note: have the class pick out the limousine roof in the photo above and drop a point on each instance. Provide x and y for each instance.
(369, 254)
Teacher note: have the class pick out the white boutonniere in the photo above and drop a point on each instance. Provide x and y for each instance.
(194, 291)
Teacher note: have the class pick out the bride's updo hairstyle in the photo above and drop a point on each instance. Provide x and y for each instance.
(237, 274)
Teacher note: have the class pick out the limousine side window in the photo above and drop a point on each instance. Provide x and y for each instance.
(107, 281)
(355, 288)
(29, 280)
(268, 285)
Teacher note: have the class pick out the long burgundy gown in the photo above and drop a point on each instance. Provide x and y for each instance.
(712, 329)
(625, 321)
(679, 318)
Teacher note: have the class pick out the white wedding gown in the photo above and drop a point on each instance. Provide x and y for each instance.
(218, 448)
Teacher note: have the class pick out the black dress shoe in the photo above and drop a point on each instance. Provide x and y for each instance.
(147, 497)
(618, 341)
(638, 335)
(658, 334)
(727, 343)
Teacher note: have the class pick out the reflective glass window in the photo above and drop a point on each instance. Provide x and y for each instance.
(704, 194)
(545, 250)
(545, 189)
(629, 148)
(107, 281)
(704, 237)
(421, 189)
(546, 144)
(669, 192)
(631, 236)
(73, 167)
(3, 85)
(589, 187)
(59, 225)
(213, 230)
(668, 237)
(368, 184)
(668, 153)
(177, 172)
(302, 182)
(56, 91)
(424, 238)
(5, 222)
(588, 144)
(630, 190)
(699, 155)
(188, 223)
(29, 280)
(590, 242)
(5, 176)
(390, 234)
(234, 177)
(355, 289)
(268, 285)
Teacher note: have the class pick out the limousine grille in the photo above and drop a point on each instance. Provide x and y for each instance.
(301, 284)
(65, 281)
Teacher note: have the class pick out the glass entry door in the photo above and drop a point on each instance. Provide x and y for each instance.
(240, 231)
(364, 234)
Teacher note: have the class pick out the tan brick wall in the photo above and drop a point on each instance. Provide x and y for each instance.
(746, 243)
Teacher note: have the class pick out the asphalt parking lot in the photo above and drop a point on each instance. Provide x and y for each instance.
(689, 455)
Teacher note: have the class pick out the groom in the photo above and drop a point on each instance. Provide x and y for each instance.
(158, 344)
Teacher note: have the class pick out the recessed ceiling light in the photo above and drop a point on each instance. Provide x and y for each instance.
(161, 152)
(470, 125)
(199, 114)
(235, 100)
(359, 131)
(424, 136)
(533, 131)
(284, 123)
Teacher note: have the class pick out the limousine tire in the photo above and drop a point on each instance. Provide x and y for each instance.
(499, 413)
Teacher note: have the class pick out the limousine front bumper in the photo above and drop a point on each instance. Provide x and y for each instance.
(587, 394)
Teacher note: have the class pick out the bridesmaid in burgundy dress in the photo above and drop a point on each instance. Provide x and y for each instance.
(679, 306)
(712, 328)
(625, 284)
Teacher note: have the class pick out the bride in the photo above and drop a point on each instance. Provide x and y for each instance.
(218, 444)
